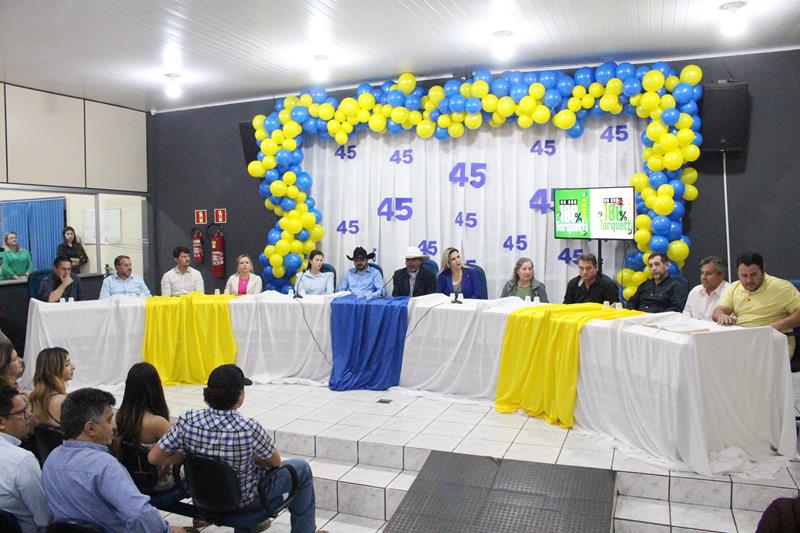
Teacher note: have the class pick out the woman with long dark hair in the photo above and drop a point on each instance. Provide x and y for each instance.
(143, 416)
(72, 249)
(53, 370)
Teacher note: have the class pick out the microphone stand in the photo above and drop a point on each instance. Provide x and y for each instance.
(297, 295)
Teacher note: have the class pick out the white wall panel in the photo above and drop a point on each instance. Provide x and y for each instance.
(3, 175)
(116, 148)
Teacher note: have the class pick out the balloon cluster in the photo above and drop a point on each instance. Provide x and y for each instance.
(658, 93)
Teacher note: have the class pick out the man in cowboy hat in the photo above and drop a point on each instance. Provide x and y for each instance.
(413, 280)
(362, 280)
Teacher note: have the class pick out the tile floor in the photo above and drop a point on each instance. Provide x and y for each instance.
(377, 438)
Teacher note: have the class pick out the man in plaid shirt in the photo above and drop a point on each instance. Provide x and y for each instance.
(222, 433)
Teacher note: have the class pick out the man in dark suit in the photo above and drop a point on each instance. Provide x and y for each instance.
(413, 280)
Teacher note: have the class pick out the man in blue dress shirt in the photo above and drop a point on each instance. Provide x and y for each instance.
(362, 279)
(123, 281)
(84, 482)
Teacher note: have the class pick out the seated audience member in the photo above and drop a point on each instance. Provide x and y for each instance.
(413, 280)
(662, 293)
(21, 492)
(84, 482)
(759, 299)
(72, 249)
(589, 285)
(704, 298)
(11, 365)
(522, 282)
(53, 370)
(143, 416)
(123, 281)
(314, 280)
(247, 448)
(182, 279)
(244, 281)
(458, 279)
(362, 279)
(15, 262)
(62, 283)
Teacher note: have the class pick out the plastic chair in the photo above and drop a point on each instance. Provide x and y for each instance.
(8, 522)
(482, 277)
(431, 265)
(72, 527)
(377, 267)
(34, 280)
(327, 267)
(217, 493)
(145, 476)
(47, 438)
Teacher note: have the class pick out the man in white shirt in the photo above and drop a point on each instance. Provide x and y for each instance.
(182, 279)
(21, 492)
(703, 299)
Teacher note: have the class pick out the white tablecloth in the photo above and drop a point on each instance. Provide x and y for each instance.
(104, 337)
(688, 399)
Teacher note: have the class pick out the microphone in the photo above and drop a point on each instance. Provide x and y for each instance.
(384, 286)
(298, 285)
(455, 299)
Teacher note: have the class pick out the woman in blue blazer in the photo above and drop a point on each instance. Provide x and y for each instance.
(456, 278)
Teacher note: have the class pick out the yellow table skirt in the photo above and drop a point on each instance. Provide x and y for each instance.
(187, 337)
(540, 359)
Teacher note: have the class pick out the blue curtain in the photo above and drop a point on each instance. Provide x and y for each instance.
(38, 224)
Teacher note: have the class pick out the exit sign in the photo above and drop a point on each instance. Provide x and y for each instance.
(220, 216)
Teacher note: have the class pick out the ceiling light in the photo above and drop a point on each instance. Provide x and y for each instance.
(320, 70)
(732, 23)
(173, 88)
(503, 47)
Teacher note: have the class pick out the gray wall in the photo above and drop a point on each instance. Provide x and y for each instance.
(195, 161)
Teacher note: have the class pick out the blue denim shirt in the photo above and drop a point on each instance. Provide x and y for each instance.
(114, 284)
(84, 482)
(370, 283)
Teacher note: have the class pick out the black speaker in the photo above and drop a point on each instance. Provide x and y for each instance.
(726, 116)
(249, 145)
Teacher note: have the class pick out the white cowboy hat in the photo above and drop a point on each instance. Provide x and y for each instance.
(412, 252)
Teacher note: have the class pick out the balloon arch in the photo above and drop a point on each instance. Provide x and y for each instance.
(658, 93)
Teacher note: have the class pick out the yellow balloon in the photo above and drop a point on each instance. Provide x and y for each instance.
(684, 121)
(479, 89)
(689, 175)
(664, 205)
(281, 248)
(655, 130)
(614, 86)
(377, 123)
(691, 74)
(435, 94)
(317, 233)
(596, 89)
(284, 116)
(313, 110)
(296, 246)
(400, 114)
(528, 104)
(465, 90)
(426, 129)
(326, 111)
(386, 110)
(578, 91)
(456, 130)
(587, 101)
(691, 193)
(278, 136)
(269, 162)
(573, 104)
(366, 101)
(294, 227)
(525, 121)
(666, 190)
(292, 129)
(407, 82)
(634, 100)
(671, 82)
(349, 106)
(489, 103)
(276, 259)
(678, 250)
(268, 205)
(279, 271)
(655, 114)
(638, 278)
(256, 169)
(258, 121)
(541, 114)
(648, 191)
(309, 246)
(650, 101)
(308, 220)
(646, 258)
(505, 106)
(627, 292)
(564, 119)
(690, 153)
(667, 102)
(642, 236)
(289, 177)
(443, 121)
(306, 100)
(261, 134)
(536, 90)
(289, 144)
(668, 142)
(277, 188)
(653, 81)
(624, 276)
(642, 112)
(608, 102)
(473, 121)
(673, 160)
(685, 136)
(639, 181)
(655, 163)
(341, 138)
(415, 117)
(290, 102)
(643, 222)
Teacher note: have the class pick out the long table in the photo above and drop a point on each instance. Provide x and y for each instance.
(689, 399)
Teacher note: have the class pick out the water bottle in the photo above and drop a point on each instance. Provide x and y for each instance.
(216, 292)
(290, 294)
(607, 304)
(452, 297)
(618, 306)
(71, 299)
(62, 300)
(536, 300)
(527, 298)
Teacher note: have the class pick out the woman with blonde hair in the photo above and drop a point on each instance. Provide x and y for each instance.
(522, 282)
(16, 261)
(53, 370)
(457, 278)
(244, 281)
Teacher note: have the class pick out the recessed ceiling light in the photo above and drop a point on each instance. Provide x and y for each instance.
(503, 47)
(173, 88)
(732, 23)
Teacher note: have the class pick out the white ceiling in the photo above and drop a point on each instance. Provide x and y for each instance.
(117, 51)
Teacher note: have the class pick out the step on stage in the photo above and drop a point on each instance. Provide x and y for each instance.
(458, 493)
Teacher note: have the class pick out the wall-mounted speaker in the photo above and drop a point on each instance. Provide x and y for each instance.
(249, 145)
(725, 110)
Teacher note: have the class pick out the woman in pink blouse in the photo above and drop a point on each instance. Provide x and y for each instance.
(244, 281)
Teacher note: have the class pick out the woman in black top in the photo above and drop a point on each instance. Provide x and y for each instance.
(72, 249)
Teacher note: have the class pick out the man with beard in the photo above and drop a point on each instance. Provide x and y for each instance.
(662, 293)
(413, 280)
(362, 279)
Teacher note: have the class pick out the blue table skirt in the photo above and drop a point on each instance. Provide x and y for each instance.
(367, 338)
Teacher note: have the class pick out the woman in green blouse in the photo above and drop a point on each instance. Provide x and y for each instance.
(17, 262)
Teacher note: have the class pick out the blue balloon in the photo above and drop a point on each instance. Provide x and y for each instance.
(263, 189)
(530, 78)
(441, 133)
(584, 76)
(690, 107)
(625, 70)
(303, 235)
(641, 207)
(273, 236)
(697, 123)
(287, 204)
(267, 272)
(657, 179)
(646, 140)
(260, 156)
(333, 101)
(673, 269)
(697, 92)
(295, 168)
(659, 225)
(659, 243)
(500, 87)
(457, 103)
(679, 188)
(687, 240)
(363, 88)
(596, 109)
(413, 102)
(444, 105)
(283, 157)
(292, 261)
(678, 212)
(300, 114)
(279, 104)
(698, 139)
(276, 200)
(396, 98)
(683, 92)
(452, 87)
(548, 78)
(515, 77)
(310, 126)
(631, 86)
(263, 259)
(419, 92)
(297, 157)
(387, 86)
(641, 71)
(271, 123)
(675, 230)
(583, 113)
(605, 72)
(663, 67)
(310, 202)
(483, 74)
(576, 130)
(317, 215)
(552, 98)
(472, 105)
(518, 91)
(304, 181)
(670, 116)
(565, 86)
(379, 95)
(393, 127)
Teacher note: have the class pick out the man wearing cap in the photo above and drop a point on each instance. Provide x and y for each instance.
(413, 280)
(222, 433)
(362, 279)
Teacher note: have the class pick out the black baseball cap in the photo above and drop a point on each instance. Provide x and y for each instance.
(228, 377)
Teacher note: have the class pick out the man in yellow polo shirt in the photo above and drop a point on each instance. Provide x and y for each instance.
(759, 299)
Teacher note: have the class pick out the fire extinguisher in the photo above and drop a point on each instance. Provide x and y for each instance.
(197, 246)
(217, 252)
